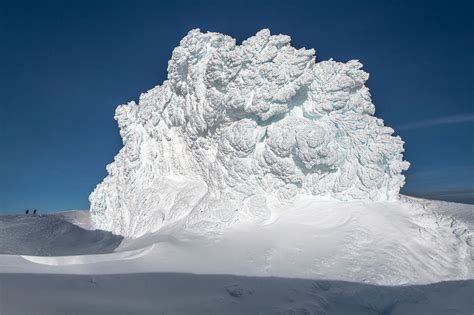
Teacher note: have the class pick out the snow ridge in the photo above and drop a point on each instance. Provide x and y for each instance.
(236, 127)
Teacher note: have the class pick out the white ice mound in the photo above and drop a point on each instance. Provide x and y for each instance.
(235, 125)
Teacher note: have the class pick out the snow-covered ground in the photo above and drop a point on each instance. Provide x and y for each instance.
(310, 257)
(181, 293)
(67, 233)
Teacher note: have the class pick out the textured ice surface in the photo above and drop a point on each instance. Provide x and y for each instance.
(236, 128)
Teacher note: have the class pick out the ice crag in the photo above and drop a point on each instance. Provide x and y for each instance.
(238, 127)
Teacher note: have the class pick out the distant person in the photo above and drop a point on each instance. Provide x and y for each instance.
(27, 211)
(34, 211)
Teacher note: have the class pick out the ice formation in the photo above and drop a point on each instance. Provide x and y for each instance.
(237, 125)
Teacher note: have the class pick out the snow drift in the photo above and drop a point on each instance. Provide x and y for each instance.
(237, 128)
(324, 257)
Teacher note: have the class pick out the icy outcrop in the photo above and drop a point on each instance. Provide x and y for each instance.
(237, 125)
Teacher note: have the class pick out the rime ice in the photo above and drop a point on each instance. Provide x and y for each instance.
(235, 126)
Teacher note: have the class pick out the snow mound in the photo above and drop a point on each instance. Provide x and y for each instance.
(409, 241)
(236, 128)
(59, 234)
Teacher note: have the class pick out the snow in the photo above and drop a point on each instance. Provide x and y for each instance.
(238, 128)
(65, 233)
(313, 256)
(386, 243)
(178, 293)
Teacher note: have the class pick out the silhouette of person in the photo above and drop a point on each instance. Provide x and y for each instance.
(27, 211)
(34, 211)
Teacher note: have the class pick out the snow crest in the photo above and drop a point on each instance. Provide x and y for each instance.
(237, 125)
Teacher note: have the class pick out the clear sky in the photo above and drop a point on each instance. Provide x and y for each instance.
(66, 65)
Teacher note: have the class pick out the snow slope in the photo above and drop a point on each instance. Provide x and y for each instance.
(236, 127)
(64, 233)
(191, 294)
(388, 243)
(312, 256)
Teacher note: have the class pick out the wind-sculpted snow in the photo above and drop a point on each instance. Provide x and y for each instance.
(237, 126)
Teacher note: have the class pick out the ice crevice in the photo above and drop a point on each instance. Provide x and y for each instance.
(235, 126)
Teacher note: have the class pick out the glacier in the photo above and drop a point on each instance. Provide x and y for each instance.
(238, 129)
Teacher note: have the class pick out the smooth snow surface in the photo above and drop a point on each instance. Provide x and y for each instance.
(190, 294)
(312, 256)
(238, 128)
(389, 243)
(66, 233)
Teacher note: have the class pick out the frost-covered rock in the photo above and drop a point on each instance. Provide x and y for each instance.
(237, 125)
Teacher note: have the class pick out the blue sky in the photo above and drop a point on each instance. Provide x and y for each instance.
(66, 65)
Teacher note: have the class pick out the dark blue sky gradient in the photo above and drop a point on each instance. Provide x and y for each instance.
(66, 65)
